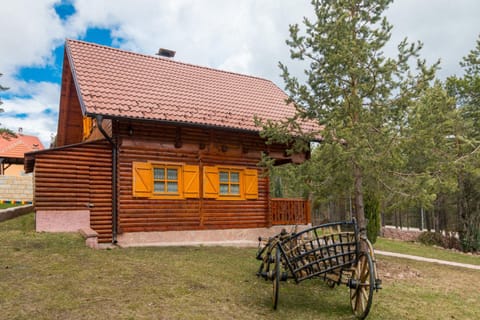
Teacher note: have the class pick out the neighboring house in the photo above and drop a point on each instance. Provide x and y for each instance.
(12, 151)
(148, 145)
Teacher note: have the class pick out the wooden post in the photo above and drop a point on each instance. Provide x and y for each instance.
(309, 213)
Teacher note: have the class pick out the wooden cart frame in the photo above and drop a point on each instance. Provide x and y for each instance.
(334, 251)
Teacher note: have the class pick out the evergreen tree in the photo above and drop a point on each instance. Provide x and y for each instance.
(358, 96)
(466, 90)
(372, 214)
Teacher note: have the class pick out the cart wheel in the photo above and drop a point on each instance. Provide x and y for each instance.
(276, 278)
(362, 286)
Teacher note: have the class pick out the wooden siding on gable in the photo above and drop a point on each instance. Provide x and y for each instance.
(77, 178)
(70, 118)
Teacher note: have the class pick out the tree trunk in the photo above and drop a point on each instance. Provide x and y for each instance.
(359, 205)
(428, 220)
(422, 219)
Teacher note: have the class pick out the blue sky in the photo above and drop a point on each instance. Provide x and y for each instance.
(245, 36)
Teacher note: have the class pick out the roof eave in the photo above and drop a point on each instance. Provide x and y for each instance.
(174, 123)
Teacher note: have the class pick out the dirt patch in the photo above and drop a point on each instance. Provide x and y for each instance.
(390, 271)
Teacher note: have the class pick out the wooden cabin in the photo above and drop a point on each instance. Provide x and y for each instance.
(149, 150)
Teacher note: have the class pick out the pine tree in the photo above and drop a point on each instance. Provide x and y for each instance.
(358, 96)
(466, 90)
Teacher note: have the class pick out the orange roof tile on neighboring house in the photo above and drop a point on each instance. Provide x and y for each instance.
(16, 147)
(116, 83)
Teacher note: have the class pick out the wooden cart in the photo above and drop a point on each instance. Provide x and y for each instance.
(334, 251)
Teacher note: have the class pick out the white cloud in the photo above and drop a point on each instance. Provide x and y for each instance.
(448, 29)
(239, 62)
(44, 94)
(41, 109)
(38, 125)
(245, 36)
(30, 32)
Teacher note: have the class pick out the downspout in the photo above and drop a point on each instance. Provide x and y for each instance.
(114, 179)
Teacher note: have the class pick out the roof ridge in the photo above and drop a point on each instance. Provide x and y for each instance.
(168, 60)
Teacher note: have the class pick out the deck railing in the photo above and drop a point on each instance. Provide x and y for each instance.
(289, 211)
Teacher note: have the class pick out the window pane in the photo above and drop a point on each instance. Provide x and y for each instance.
(172, 174)
(223, 176)
(223, 188)
(234, 177)
(159, 187)
(172, 187)
(159, 174)
(235, 189)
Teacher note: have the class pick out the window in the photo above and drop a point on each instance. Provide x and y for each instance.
(229, 183)
(165, 181)
(222, 183)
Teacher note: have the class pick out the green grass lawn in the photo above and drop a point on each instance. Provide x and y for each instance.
(418, 249)
(54, 276)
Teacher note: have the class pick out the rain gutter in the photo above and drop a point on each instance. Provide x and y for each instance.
(99, 119)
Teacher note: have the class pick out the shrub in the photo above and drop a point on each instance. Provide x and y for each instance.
(449, 241)
(372, 214)
(430, 238)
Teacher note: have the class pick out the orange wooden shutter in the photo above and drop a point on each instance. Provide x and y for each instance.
(210, 182)
(191, 181)
(87, 127)
(142, 179)
(251, 183)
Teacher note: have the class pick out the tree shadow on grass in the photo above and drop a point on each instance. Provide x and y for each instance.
(308, 297)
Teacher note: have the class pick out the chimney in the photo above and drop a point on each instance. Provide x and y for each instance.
(166, 53)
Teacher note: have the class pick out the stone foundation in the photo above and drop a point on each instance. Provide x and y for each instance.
(226, 237)
(400, 234)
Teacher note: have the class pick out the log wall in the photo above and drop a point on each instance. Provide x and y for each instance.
(193, 146)
(77, 178)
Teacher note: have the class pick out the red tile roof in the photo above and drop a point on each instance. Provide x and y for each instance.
(16, 147)
(116, 83)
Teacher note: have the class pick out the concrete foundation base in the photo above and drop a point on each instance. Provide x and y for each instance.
(223, 237)
(61, 221)
(67, 221)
